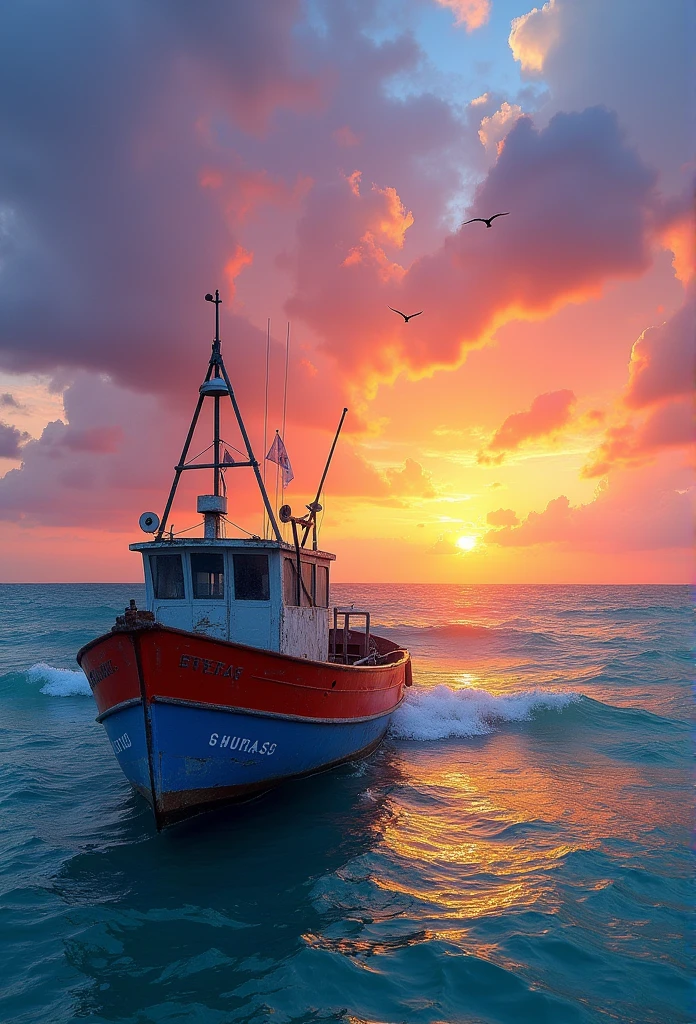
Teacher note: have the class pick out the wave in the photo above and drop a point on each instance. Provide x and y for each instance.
(59, 682)
(443, 712)
(505, 633)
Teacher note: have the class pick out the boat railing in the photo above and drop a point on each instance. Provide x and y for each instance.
(347, 645)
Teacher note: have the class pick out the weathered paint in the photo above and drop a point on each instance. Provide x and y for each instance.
(168, 699)
(305, 632)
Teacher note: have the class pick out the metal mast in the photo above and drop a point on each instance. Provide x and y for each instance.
(217, 385)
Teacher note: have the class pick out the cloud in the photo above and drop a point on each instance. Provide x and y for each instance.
(495, 127)
(444, 545)
(243, 191)
(502, 517)
(649, 509)
(546, 415)
(353, 474)
(533, 35)
(560, 244)
(471, 13)
(663, 359)
(11, 441)
(178, 133)
(411, 479)
(669, 425)
(8, 401)
(633, 56)
(658, 396)
(240, 259)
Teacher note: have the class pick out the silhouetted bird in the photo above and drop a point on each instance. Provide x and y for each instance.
(406, 318)
(486, 220)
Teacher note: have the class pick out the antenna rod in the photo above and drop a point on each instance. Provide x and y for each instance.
(323, 478)
(265, 413)
(216, 413)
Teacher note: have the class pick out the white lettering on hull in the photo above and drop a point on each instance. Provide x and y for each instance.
(242, 744)
(122, 743)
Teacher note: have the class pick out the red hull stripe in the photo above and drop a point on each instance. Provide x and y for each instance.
(178, 666)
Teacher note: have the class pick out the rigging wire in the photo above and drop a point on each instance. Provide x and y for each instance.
(265, 414)
(285, 401)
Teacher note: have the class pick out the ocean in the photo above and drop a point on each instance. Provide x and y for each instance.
(516, 852)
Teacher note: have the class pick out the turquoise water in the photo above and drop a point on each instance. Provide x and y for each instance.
(517, 851)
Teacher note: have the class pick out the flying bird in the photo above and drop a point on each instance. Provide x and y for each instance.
(486, 220)
(406, 318)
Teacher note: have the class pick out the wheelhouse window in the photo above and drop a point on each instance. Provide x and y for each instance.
(251, 577)
(314, 586)
(289, 581)
(167, 577)
(322, 587)
(307, 595)
(208, 574)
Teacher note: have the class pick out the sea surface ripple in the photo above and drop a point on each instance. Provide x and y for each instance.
(516, 852)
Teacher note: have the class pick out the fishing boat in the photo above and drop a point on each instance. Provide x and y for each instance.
(237, 675)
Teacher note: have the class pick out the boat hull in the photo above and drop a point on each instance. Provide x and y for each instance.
(196, 722)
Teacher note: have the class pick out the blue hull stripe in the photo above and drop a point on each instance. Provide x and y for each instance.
(207, 749)
(203, 749)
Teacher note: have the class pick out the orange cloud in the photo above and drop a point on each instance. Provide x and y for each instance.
(369, 253)
(502, 517)
(411, 479)
(650, 509)
(680, 239)
(354, 180)
(388, 221)
(559, 244)
(471, 13)
(546, 415)
(391, 219)
(670, 425)
(240, 259)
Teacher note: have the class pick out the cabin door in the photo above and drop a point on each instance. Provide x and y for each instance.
(210, 589)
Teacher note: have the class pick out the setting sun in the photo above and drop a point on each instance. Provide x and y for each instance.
(467, 543)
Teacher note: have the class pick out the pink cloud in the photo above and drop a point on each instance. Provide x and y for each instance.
(96, 440)
(663, 359)
(243, 191)
(658, 395)
(669, 425)
(345, 137)
(546, 415)
(559, 244)
(471, 13)
(634, 511)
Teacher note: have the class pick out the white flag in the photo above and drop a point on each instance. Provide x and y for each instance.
(277, 453)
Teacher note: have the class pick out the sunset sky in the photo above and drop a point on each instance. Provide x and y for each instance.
(315, 161)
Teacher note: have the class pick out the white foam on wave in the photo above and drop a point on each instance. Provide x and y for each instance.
(59, 682)
(442, 712)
